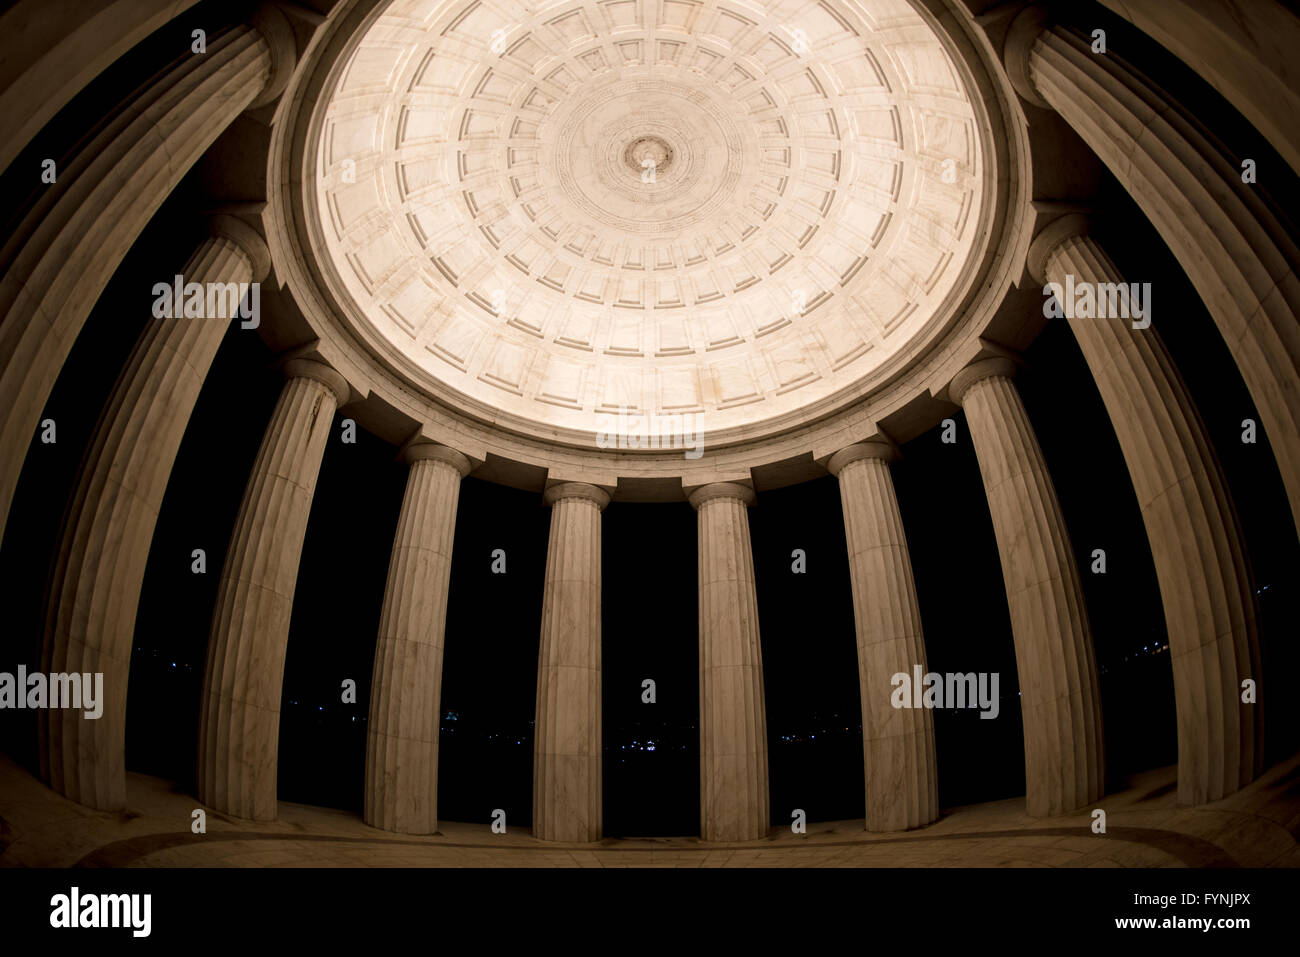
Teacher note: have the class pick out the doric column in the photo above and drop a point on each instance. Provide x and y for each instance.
(61, 257)
(1234, 251)
(99, 571)
(239, 727)
(1059, 700)
(53, 48)
(406, 686)
(1195, 541)
(897, 743)
(733, 723)
(1245, 49)
(566, 734)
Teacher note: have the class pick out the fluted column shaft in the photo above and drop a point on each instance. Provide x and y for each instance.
(1244, 48)
(567, 732)
(52, 48)
(1235, 252)
(60, 259)
(733, 723)
(240, 722)
(898, 743)
(1195, 541)
(1059, 699)
(99, 571)
(406, 685)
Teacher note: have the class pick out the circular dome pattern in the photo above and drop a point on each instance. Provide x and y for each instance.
(568, 209)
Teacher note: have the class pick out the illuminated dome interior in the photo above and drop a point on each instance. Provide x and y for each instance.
(558, 210)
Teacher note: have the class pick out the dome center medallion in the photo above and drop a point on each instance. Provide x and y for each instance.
(648, 156)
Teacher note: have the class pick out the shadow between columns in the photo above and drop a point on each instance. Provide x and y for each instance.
(489, 674)
(963, 603)
(810, 656)
(649, 631)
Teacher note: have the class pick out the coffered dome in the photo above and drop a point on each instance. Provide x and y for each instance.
(826, 232)
(563, 210)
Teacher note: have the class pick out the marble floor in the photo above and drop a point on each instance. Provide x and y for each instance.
(1257, 827)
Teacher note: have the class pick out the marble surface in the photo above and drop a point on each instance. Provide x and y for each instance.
(401, 792)
(1234, 250)
(68, 247)
(1060, 701)
(1245, 49)
(239, 727)
(56, 47)
(567, 784)
(898, 743)
(733, 718)
(817, 202)
(104, 549)
(1196, 544)
(1256, 827)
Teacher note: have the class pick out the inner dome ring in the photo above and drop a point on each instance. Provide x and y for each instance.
(841, 191)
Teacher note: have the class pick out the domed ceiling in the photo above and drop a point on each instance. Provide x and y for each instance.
(562, 210)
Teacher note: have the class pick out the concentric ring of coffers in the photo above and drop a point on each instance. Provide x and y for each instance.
(817, 206)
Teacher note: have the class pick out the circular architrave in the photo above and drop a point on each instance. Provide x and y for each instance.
(818, 428)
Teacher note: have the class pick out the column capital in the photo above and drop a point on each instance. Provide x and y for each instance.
(707, 493)
(1028, 25)
(875, 448)
(977, 370)
(269, 20)
(248, 239)
(325, 375)
(1049, 238)
(432, 451)
(592, 493)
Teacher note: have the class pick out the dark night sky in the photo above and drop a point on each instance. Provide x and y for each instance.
(649, 620)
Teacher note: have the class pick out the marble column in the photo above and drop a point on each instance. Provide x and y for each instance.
(898, 743)
(1235, 252)
(57, 262)
(100, 566)
(406, 685)
(1196, 544)
(566, 734)
(239, 726)
(1059, 700)
(1245, 49)
(733, 722)
(52, 48)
